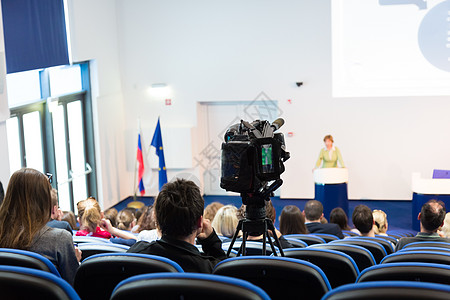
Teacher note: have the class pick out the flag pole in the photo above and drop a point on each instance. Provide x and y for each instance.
(135, 162)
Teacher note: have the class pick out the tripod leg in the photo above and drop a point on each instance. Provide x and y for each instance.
(277, 241)
(238, 228)
(264, 252)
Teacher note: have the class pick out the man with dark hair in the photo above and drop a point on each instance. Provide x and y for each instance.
(313, 214)
(179, 215)
(431, 217)
(362, 218)
(56, 215)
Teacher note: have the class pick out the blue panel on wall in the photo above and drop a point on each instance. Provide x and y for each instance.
(35, 34)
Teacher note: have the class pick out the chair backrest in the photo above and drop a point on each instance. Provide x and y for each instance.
(362, 257)
(89, 249)
(375, 248)
(427, 244)
(26, 283)
(388, 246)
(432, 249)
(418, 256)
(107, 270)
(339, 267)
(186, 286)
(27, 259)
(89, 239)
(327, 237)
(307, 238)
(349, 233)
(280, 277)
(297, 243)
(251, 247)
(424, 272)
(402, 290)
(391, 239)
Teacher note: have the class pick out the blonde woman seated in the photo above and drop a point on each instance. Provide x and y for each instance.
(380, 225)
(225, 221)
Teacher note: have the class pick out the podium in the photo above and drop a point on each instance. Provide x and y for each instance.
(331, 189)
(425, 189)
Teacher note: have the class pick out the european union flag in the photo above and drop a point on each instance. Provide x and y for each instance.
(158, 144)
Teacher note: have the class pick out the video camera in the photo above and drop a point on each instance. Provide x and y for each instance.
(253, 155)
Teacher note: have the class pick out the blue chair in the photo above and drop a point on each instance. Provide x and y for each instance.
(424, 272)
(251, 247)
(391, 239)
(26, 283)
(388, 246)
(401, 290)
(280, 277)
(108, 269)
(27, 259)
(297, 243)
(418, 256)
(433, 249)
(339, 267)
(186, 286)
(349, 233)
(326, 237)
(89, 249)
(362, 257)
(377, 250)
(427, 244)
(89, 239)
(310, 239)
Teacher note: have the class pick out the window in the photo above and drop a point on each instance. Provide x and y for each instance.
(54, 134)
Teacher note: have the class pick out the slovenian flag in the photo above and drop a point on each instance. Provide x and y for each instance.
(140, 159)
(157, 143)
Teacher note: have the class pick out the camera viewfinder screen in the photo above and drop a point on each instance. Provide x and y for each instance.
(267, 158)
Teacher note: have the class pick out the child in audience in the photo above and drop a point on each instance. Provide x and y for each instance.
(90, 217)
(70, 218)
(125, 220)
(381, 224)
(225, 221)
(111, 215)
(292, 220)
(24, 214)
(339, 217)
(210, 210)
(148, 229)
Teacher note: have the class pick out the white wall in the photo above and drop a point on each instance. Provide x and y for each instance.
(232, 50)
(93, 34)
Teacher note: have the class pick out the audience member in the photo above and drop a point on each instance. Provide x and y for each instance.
(381, 224)
(111, 215)
(270, 214)
(339, 217)
(90, 216)
(2, 193)
(313, 213)
(431, 217)
(125, 220)
(323, 220)
(148, 230)
(70, 218)
(292, 221)
(225, 221)
(362, 218)
(179, 214)
(56, 214)
(24, 214)
(211, 210)
(445, 229)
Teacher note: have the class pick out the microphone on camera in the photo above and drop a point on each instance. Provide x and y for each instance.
(277, 124)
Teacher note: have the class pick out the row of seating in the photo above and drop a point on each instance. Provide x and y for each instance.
(259, 276)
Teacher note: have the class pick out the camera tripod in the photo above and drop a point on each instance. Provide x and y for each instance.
(256, 227)
(255, 222)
